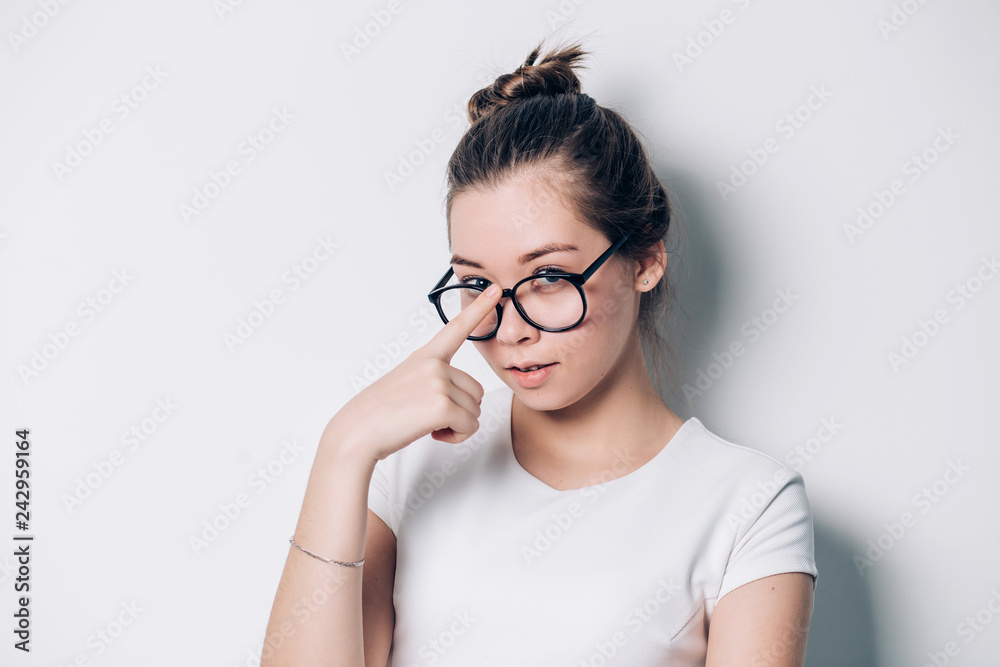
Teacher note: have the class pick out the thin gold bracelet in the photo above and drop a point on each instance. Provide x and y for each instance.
(359, 563)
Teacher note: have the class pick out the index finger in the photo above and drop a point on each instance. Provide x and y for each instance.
(446, 342)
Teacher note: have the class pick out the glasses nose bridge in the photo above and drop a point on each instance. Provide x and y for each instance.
(508, 292)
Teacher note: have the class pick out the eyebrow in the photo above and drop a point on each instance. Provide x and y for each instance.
(523, 259)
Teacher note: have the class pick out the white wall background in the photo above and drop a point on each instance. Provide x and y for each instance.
(161, 336)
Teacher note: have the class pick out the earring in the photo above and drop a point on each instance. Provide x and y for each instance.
(645, 282)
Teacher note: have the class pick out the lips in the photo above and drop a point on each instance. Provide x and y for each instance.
(526, 367)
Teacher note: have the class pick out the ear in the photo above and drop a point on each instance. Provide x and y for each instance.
(650, 267)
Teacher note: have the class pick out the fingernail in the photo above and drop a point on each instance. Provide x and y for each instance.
(492, 290)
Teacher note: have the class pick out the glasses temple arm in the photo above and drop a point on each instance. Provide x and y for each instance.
(603, 258)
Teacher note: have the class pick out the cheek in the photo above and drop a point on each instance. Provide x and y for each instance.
(485, 349)
(609, 306)
(488, 351)
(604, 326)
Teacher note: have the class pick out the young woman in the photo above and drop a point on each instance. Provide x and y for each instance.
(567, 517)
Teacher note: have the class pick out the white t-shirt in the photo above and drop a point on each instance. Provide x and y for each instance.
(496, 567)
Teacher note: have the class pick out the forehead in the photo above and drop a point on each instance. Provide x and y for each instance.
(496, 226)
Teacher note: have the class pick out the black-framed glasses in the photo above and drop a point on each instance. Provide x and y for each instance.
(549, 300)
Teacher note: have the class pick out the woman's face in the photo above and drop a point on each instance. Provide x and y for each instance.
(494, 230)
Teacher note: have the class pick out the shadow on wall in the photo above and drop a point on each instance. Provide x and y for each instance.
(842, 629)
(694, 271)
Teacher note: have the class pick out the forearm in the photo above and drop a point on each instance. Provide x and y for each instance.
(317, 611)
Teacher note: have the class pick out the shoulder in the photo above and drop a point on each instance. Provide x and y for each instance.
(712, 457)
(733, 478)
(753, 510)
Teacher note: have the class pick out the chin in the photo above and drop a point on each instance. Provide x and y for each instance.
(550, 395)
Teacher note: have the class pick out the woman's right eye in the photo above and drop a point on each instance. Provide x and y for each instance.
(475, 281)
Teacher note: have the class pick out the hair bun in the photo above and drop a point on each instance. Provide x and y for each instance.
(552, 75)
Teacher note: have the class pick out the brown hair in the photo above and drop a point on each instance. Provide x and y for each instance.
(536, 121)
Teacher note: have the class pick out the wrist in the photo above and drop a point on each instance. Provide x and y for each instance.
(343, 450)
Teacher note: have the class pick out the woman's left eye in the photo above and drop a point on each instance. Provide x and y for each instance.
(542, 270)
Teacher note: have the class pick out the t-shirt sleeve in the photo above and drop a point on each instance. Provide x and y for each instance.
(778, 539)
(380, 492)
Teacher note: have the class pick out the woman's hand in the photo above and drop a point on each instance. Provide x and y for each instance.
(423, 394)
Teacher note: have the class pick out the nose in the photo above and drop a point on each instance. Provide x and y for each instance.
(512, 327)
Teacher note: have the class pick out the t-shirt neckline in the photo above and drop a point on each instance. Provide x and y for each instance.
(689, 424)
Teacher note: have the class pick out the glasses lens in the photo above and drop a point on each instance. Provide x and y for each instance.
(457, 299)
(551, 302)
(554, 303)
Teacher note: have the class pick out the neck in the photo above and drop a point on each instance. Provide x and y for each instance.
(616, 428)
